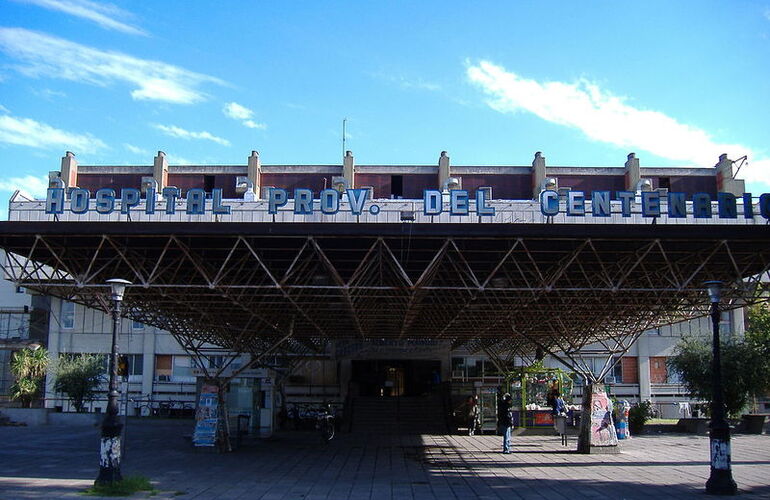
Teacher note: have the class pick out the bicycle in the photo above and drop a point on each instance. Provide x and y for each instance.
(325, 423)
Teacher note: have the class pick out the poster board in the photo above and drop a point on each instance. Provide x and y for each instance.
(207, 416)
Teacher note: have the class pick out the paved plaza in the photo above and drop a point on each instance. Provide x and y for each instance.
(59, 462)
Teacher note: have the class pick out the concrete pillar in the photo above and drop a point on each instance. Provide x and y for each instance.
(349, 169)
(633, 172)
(255, 173)
(645, 386)
(53, 351)
(738, 323)
(443, 169)
(148, 360)
(538, 174)
(160, 170)
(69, 170)
(725, 181)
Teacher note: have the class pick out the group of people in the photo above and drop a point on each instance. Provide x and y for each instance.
(505, 415)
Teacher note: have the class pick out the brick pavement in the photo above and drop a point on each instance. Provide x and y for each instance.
(58, 462)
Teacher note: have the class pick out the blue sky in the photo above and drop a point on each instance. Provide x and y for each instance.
(490, 82)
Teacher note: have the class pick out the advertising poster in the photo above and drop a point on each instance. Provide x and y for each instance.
(602, 428)
(207, 417)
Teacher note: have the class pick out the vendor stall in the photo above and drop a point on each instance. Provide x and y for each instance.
(532, 391)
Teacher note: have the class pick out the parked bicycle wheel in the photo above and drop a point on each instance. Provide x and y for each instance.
(327, 428)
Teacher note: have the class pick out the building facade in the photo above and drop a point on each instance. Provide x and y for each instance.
(163, 375)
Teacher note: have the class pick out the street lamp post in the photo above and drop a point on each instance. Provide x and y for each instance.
(720, 481)
(109, 454)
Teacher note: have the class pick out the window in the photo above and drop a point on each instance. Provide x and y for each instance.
(208, 183)
(617, 371)
(67, 316)
(216, 361)
(19, 289)
(658, 370)
(163, 367)
(183, 369)
(397, 186)
(137, 325)
(664, 182)
(135, 364)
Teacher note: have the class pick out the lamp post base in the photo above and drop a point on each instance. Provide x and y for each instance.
(721, 483)
(109, 455)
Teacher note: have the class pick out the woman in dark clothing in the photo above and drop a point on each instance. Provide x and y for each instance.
(505, 421)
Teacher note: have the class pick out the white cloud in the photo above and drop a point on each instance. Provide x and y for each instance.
(253, 124)
(28, 132)
(236, 111)
(103, 14)
(31, 185)
(180, 133)
(604, 117)
(407, 83)
(4, 109)
(243, 114)
(48, 56)
(136, 150)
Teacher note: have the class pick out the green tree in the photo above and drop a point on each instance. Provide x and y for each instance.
(28, 367)
(745, 364)
(79, 377)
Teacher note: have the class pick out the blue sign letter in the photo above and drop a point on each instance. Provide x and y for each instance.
(458, 202)
(357, 199)
(54, 201)
(105, 200)
(432, 204)
(728, 206)
(625, 197)
(764, 205)
(748, 206)
(129, 197)
(482, 209)
(677, 205)
(330, 201)
(79, 200)
(303, 201)
(216, 202)
(171, 193)
(276, 198)
(600, 204)
(576, 203)
(196, 201)
(701, 206)
(650, 204)
(549, 203)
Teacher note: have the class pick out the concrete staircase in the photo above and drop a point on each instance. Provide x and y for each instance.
(399, 415)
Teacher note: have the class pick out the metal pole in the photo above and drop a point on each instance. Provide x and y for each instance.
(720, 481)
(109, 455)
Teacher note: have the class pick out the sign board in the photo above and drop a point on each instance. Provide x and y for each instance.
(456, 202)
(207, 416)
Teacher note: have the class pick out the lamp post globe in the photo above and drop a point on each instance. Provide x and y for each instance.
(109, 452)
(720, 480)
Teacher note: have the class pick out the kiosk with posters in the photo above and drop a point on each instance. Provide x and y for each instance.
(529, 388)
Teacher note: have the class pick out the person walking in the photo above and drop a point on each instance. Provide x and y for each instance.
(505, 421)
(472, 414)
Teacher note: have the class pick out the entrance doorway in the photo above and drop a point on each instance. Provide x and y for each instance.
(396, 377)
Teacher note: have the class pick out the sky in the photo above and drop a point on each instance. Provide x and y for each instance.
(489, 82)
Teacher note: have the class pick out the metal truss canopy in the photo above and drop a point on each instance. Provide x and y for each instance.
(246, 286)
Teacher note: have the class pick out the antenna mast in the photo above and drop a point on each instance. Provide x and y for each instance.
(344, 120)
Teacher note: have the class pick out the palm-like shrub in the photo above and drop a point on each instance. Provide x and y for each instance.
(28, 367)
